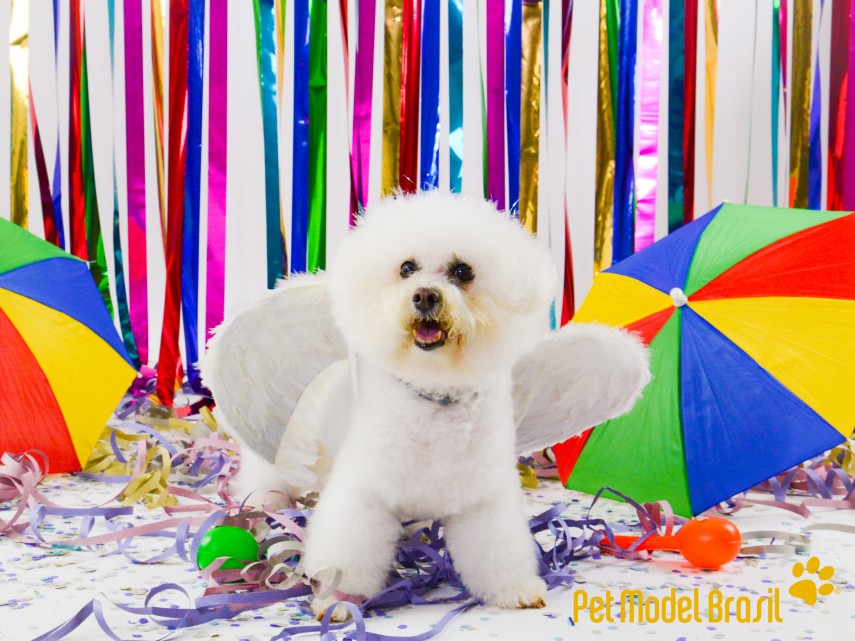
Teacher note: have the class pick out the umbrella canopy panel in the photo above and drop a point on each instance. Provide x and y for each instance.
(63, 367)
(749, 315)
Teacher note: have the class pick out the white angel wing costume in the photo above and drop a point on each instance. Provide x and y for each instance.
(278, 370)
(280, 375)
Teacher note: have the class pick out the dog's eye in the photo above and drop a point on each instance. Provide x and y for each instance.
(461, 272)
(408, 268)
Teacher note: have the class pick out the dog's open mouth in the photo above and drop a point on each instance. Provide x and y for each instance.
(428, 334)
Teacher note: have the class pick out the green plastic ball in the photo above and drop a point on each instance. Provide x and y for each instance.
(230, 541)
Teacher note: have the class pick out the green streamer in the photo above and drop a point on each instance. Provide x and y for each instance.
(316, 250)
(265, 51)
(612, 26)
(94, 242)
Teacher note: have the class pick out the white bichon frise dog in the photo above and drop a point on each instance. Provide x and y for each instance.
(406, 382)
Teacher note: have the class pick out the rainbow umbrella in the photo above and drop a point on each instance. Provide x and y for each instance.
(749, 313)
(63, 367)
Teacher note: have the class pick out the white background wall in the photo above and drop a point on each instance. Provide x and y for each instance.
(742, 124)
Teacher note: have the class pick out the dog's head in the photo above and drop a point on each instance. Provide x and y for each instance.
(440, 290)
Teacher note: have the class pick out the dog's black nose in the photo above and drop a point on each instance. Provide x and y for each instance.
(425, 299)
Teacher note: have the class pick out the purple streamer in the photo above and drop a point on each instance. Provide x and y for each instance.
(495, 141)
(648, 136)
(360, 159)
(217, 164)
(815, 145)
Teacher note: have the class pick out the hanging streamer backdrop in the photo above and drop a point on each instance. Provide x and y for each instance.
(194, 152)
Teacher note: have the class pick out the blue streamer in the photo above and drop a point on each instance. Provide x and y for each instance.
(455, 94)
(56, 188)
(429, 162)
(815, 146)
(192, 188)
(624, 214)
(300, 165)
(513, 62)
(266, 49)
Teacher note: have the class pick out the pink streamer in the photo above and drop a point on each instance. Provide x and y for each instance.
(217, 157)
(849, 134)
(496, 102)
(360, 158)
(135, 132)
(648, 136)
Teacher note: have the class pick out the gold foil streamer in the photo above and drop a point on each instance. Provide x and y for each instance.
(392, 96)
(530, 113)
(150, 482)
(800, 124)
(711, 36)
(151, 487)
(528, 477)
(603, 224)
(158, 25)
(19, 64)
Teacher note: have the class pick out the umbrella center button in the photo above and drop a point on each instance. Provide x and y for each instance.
(678, 297)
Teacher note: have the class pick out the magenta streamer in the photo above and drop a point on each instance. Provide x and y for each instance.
(135, 132)
(784, 23)
(360, 156)
(217, 156)
(496, 102)
(648, 135)
(849, 135)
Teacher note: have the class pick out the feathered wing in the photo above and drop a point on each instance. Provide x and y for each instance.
(578, 377)
(274, 368)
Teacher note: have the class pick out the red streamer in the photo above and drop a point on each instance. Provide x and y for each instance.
(410, 50)
(51, 234)
(76, 197)
(690, 58)
(568, 304)
(170, 356)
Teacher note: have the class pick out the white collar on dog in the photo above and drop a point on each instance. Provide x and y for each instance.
(441, 399)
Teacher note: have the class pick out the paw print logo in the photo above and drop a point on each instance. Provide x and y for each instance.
(807, 589)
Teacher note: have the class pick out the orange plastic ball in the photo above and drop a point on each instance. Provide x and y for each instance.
(709, 543)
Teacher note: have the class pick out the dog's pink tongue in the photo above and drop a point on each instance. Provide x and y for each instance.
(428, 333)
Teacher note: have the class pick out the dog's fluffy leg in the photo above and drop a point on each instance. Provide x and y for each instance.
(352, 531)
(493, 551)
(260, 481)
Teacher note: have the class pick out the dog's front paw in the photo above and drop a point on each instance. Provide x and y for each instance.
(320, 607)
(527, 593)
